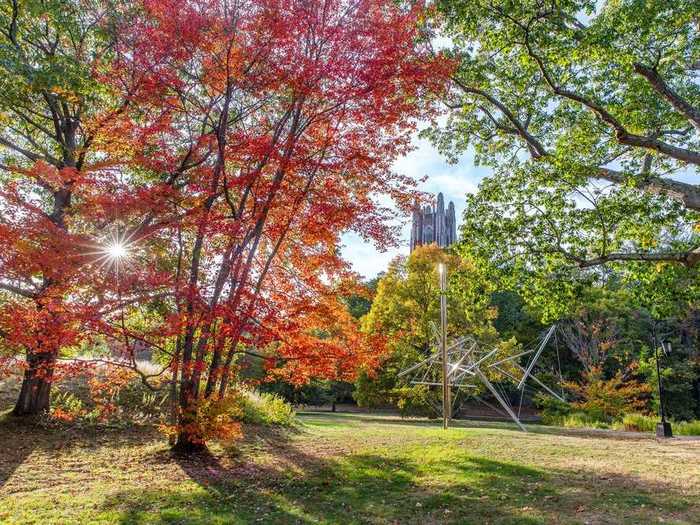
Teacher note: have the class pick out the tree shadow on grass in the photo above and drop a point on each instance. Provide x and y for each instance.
(22, 437)
(274, 479)
(297, 485)
(17, 441)
(357, 490)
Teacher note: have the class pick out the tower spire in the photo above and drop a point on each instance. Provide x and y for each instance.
(433, 224)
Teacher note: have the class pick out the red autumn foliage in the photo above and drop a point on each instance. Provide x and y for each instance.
(54, 173)
(246, 138)
(275, 124)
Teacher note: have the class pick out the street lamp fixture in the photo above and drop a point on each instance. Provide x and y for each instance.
(663, 428)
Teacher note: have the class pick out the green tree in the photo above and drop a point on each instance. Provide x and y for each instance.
(405, 311)
(589, 114)
(680, 368)
(359, 304)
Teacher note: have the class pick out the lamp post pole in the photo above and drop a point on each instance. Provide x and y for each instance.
(446, 404)
(663, 429)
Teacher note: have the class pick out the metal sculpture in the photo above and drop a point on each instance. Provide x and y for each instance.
(463, 364)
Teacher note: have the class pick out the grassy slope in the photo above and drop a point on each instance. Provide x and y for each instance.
(349, 469)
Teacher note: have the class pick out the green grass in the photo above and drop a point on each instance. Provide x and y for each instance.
(687, 428)
(350, 469)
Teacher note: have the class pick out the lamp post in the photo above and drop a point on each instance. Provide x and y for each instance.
(446, 404)
(663, 429)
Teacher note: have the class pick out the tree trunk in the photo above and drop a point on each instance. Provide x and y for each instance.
(189, 438)
(187, 444)
(34, 397)
(174, 405)
(189, 435)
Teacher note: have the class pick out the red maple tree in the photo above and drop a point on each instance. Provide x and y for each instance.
(273, 125)
(230, 146)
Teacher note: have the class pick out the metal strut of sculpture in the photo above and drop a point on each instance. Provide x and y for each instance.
(468, 364)
(434, 224)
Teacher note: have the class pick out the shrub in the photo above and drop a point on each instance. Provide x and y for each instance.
(608, 400)
(687, 428)
(266, 409)
(583, 420)
(413, 400)
(638, 423)
(66, 406)
(120, 396)
(210, 419)
(644, 423)
(552, 410)
(217, 418)
(221, 418)
(107, 395)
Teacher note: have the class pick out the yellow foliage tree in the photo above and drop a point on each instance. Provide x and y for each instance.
(404, 311)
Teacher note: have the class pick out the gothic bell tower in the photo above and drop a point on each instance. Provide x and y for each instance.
(433, 224)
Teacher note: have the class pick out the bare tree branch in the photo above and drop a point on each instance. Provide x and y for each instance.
(688, 258)
(622, 135)
(536, 147)
(687, 194)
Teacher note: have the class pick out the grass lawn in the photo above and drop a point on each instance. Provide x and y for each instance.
(349, 469)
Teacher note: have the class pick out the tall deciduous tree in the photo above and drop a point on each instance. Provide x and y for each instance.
(51, 178)
(589, 114)
(274, 125)
(406, 312)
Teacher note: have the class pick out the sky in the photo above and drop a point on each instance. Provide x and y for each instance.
(453, 180)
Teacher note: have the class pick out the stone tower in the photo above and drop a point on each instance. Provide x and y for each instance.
(434, 224)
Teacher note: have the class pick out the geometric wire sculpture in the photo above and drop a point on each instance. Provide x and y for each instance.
(469, 364)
